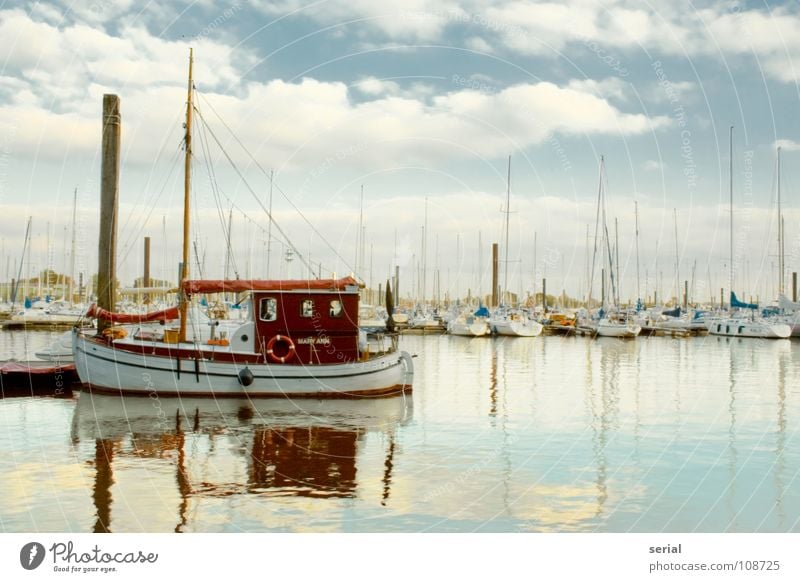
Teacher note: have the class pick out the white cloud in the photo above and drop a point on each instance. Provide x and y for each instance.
(478, 44)
(652, 166)
(60, 80)
(710, 29)
(416, 20)
(374, 87)
(787, 144)
(609, 88)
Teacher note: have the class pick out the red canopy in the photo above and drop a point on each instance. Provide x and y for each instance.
(239, 285)
(166, 314)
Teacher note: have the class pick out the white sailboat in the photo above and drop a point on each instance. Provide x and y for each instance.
(738, 323)
(613, 322)
(470, 324)
(509, 321)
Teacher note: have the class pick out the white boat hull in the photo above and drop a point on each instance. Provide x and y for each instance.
(751, 329)
(476, 328)
(104, 368)
(517, 328)
(620, 330)
(682, 325)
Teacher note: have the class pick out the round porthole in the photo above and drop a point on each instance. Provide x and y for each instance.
(245, 338)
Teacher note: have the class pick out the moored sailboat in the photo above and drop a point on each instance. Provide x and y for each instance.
(301, 338)
(737, 323)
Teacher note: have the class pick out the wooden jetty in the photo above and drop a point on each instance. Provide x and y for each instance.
(438, 330)
(569, 330)
(36, 378)
(660, 330)
(41, 325)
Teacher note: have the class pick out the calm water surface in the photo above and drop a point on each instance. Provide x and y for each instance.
(542, 434)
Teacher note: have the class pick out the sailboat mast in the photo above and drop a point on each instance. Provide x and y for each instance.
(616, 257)
(508, 210)
(187, 177)
(780, 227)
(425, 252)
(72, 247)
(480, 267)
(638, 284)
(677, 260)
(730, 156)
(269, 225)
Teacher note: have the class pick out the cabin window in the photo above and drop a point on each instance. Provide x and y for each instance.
(307, 308)
(336, 308)
(741, 329)
(719, 328)
(269, 309)
(727, 329)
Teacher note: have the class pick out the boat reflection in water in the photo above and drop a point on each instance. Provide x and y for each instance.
(206, 449)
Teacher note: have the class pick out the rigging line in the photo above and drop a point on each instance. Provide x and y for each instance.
(255, 196)
(608, 242)
(216, 190)
(128, 244)
(214, 186)
(154, 197)
(278, 188)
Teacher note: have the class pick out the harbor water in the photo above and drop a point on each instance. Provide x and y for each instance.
(546, 434)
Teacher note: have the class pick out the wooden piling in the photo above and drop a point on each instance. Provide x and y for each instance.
(109, 207)
(146, 278)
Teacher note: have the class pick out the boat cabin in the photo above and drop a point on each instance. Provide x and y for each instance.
(297, 322)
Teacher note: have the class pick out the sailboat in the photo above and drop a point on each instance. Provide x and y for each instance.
(505, 320)
(612, 322)
(301, 338)
(739, 323)
(470, 324)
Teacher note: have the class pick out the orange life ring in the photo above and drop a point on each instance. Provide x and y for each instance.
(290, 350)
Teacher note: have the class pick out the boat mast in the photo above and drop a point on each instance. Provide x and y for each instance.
(638, 283)
(780, 227)
(269, 225)
(425, 252)
(72, 248)
(184, 304)
(730, 156)
(616, 257)
(480, 268)
(677, 260)
(508, 210)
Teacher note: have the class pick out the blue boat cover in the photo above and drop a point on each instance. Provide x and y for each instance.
(741, 305)
(482, 312)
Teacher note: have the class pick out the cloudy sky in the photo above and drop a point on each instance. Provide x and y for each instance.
(413, 100)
